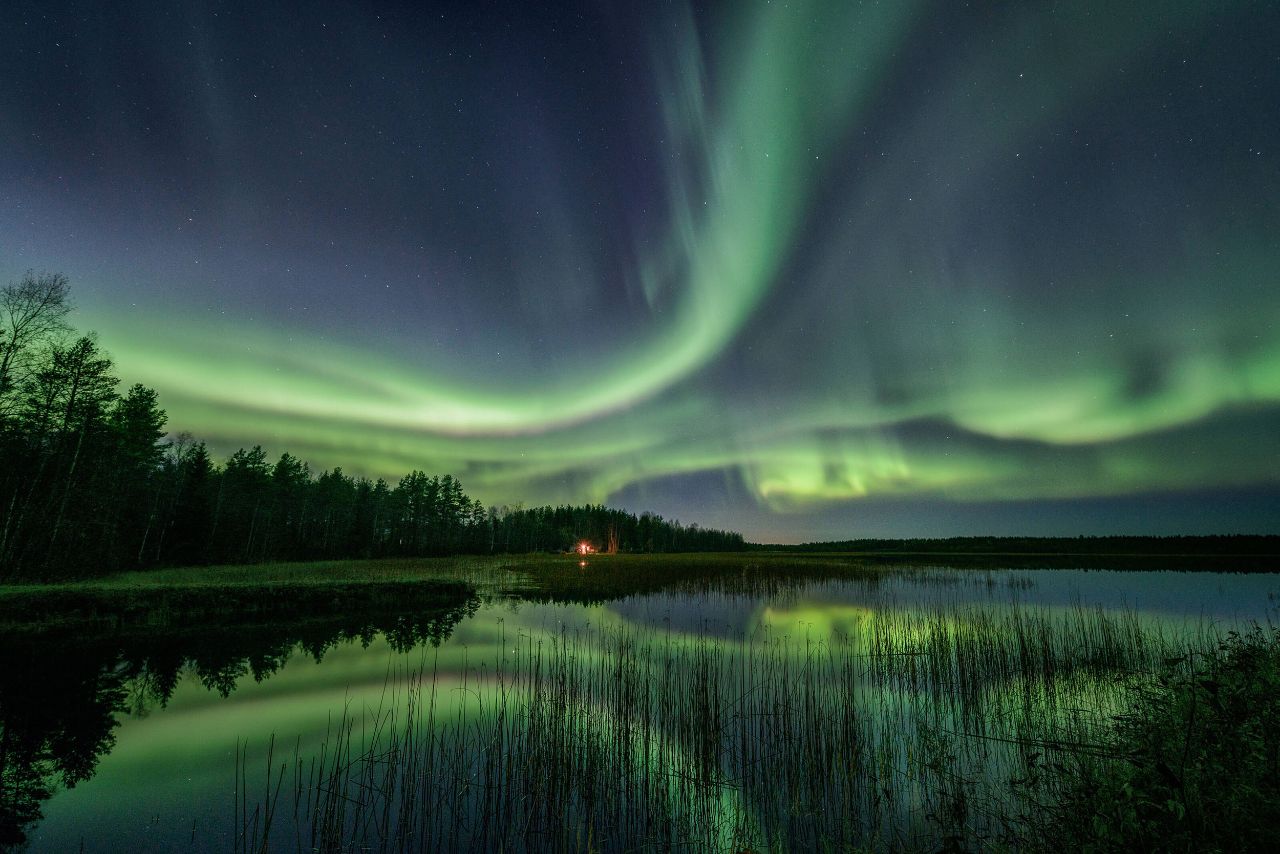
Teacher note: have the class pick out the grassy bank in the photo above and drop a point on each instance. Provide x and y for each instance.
(293, 591)
(239, 594)
(565, 577)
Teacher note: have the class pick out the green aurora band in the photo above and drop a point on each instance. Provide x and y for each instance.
(872, 354)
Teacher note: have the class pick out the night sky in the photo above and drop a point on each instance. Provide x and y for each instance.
(807, 270)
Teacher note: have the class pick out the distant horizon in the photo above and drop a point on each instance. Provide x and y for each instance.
(1016, 537)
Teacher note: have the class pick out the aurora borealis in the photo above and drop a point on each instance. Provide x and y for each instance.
(807, 270)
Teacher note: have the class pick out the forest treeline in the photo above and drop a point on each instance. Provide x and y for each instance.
(90, 481)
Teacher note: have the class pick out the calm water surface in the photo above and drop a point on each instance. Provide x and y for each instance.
(165, 779)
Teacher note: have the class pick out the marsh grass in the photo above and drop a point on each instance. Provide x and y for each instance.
(904, 730)
(283, 592)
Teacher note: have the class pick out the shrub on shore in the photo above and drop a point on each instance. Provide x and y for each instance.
(1193, 764)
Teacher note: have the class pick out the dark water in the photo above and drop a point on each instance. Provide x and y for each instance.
(147, 726)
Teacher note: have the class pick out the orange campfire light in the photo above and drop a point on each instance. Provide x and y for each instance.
(584, 548)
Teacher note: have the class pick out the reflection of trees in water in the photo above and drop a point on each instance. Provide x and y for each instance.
(61, 694)
(56, 718)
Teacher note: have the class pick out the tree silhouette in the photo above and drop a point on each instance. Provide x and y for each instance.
(89, 483)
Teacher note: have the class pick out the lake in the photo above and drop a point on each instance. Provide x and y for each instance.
(887, 706)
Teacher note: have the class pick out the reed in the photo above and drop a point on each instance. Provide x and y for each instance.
(902, 728)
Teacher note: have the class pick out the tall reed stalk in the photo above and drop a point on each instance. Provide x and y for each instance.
(901, 730)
